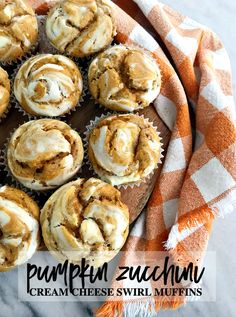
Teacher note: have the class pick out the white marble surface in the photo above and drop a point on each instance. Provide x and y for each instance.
(220, 15)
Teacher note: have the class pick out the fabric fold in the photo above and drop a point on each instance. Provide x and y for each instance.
(197, 181)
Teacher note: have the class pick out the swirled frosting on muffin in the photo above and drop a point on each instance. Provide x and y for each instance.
(48, 85)
(124, 79)
(19, 227)
(4, 91)
(124, 149)
(44, 154)
(85, 219)
(80, 27)
(18, 29)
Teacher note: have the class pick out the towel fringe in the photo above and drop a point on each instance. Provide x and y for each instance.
(148, 308)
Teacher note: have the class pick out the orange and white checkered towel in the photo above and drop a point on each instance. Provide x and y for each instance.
(197, 181)
(198, 177)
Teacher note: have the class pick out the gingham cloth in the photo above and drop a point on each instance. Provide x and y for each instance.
(197, 181)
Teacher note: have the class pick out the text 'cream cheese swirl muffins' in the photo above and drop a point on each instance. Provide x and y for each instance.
(19, 228)
(80, 27)
(4, 92)
(48, 85)
(18, 29)
(124, 79)
(85, 219)
(124, 149)
(44, 154)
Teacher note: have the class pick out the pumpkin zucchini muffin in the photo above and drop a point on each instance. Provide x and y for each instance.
(44, 154)
(85, 219)
(80, 27)
(48, 85)
(18, 29)
(124, 149)
(19, 228)
(124, 79)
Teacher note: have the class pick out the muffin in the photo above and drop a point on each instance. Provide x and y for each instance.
(124, 149)
(18, 29)
(80, 28)
(48, 85)
(19, 228)
(85, 219)
(4, 92)
(124, 79)
(44, 154)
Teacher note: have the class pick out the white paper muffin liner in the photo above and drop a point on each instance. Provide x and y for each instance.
(93, 123)
(36, 194)
(2, 162)
(17, 105)
(27, 55)
(25, 190)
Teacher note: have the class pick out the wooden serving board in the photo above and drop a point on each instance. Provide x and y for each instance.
(135, 198)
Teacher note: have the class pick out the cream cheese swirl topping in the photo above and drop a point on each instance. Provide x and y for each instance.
(44, 154)
(85, 218)
(124, 149)
(18, 29)
(80, 28)
(48, 85)
(124, 79)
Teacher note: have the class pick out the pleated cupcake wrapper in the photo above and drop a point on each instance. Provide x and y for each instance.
(36, 194)
(93, 123)
(24, 189)
(17, 105)
(2, 162)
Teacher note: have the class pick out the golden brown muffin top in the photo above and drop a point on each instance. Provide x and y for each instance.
(124, 79)
(44, 154)
(124, 149)
(80, 28)
(48, 85)
(85, 218)
(18, 29)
